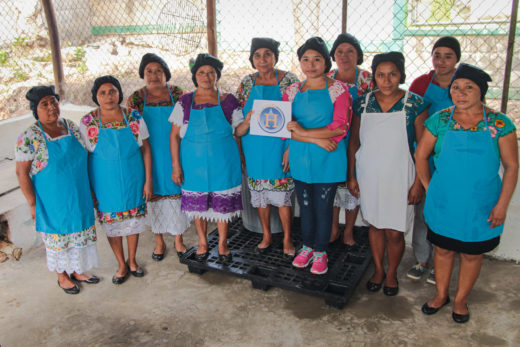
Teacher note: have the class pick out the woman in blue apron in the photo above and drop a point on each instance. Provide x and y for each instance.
(269, 181)
(348, 55)
(120, 171)
(433, 87)
(466, 201)
(155, 102)
(51, 166)
(321, 109)
(205, 157)
(384, 129)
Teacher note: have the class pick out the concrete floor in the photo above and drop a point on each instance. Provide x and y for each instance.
(172, 307)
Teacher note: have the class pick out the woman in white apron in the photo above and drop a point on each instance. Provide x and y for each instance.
(466, 200)
(348, 55)
(155, 102)
(51, 166)
(384, 129)
(321, 109)
(120, 171)
(205, 157)
(433, 87)
(268, 179)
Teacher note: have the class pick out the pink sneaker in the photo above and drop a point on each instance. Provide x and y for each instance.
(303, 258)
(319, 263)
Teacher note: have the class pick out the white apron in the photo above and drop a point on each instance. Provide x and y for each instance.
(385, 169)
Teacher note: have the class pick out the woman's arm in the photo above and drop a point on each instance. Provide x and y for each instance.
(243, 127)
(508, 147)
(415, 194)
(318, 133)
(22, 173)
(424, 149)
(326, 144)
(147, 159)
(419, 125)
(175, 139)
(353, 146)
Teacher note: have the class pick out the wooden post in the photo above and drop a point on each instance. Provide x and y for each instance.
(54, 36)
(211, 9)
(344, 9)
(509, 56)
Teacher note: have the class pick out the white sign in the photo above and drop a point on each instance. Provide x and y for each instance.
(270, 118)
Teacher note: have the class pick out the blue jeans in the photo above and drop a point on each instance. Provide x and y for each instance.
(316, 201)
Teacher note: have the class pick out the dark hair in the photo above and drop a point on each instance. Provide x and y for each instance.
(316, 43)
(153, 58)
(36, 94)
(106, 79)
(476, 74)
(264, 42)
(206, 59)
(350, 39)
(393, 57)
(450, 42)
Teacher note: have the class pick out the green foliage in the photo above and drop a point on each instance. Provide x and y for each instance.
(82, 67)
(3, 57)
(20, 76)
(45, 58)
(19, 41)
(79, 53)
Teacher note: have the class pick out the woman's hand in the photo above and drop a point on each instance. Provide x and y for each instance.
(33, 212)
(148, 190)
(177, 175)
(295, 127)
(497, 215)
(353, 187)
(326, 144)
(415, 194)
(243, 127)
(285, 160)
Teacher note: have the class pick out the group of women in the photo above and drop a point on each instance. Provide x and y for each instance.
(177, 156)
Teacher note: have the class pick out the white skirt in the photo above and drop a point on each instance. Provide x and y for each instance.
(78, 256)
(126, 227)
(344, 199)
(165, 216)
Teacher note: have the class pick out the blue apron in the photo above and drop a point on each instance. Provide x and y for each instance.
(156, 119)
(209, 153)
(465, 187)
(437, 97)
(352, 90)
(263, 154)
(309, 162)
(63, 199)
(116, 169)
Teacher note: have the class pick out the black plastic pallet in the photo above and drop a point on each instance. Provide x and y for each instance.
(346, 264)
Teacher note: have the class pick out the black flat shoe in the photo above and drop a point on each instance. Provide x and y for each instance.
(92, 280)
(460, 318)
(225, 258)
(374, 287)
(259, 250)
(157, 257)
(427, 309)
(201, 256)
(181, 254)
(137, 273)
(120, 280)
(391, 291)
(73, 290)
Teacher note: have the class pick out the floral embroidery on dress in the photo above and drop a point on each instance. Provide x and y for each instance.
(365, 83)
(281, 184)
(61, 242)
(31, 146)
(497, 126)
(136, 100)
(113, 217)
(246, 84)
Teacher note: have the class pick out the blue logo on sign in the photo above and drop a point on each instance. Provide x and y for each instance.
(271, 120)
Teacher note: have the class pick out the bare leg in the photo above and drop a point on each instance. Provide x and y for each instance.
(222, 238)
(201, 225)
(443, 260)
(263, 214)
(334, 233)
(470, 265)
(395, 247)
(377, 245)
(285, 217)
(350, 220)
(160, 246)
(116, 243)
(65, 281)
(132, 241)
(179, 244)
